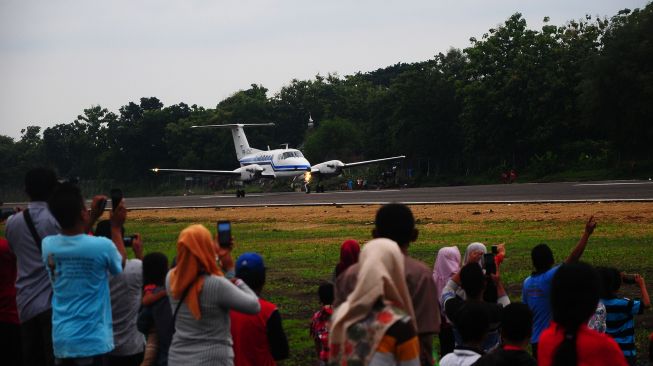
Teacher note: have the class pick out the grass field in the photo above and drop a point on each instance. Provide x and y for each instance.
(301, 245)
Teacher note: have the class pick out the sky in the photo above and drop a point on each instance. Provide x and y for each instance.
(59, 57)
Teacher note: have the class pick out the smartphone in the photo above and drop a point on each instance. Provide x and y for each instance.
(495, 250)
(101, 205)
(116, 197)
(488, 262)
(224, 233)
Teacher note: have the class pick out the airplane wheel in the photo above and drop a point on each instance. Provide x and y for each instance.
(242, 193)
(308, 189)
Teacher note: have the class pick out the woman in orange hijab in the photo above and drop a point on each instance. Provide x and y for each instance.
(202, 325)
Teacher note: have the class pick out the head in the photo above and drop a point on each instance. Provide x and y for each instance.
(447, 262)
(251, 269)
(67, 206)
(574, 297)
(349, 252)
(610, 281)
(472, 324)
(40, 183)
(542, 258)
(472, 280)
(516, 324)
(474, 247)
(325, 292)
(155, 268)
(395, 221)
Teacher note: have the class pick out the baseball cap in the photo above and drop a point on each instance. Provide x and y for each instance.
(250, 262)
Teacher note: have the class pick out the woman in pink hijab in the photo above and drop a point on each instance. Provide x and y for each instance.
(447, 263)
(349, 251)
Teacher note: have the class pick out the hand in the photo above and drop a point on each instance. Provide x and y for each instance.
(590, 226)
(95, 207)
(501, 248)
(119, 215)
(224, 255)
(137, 246)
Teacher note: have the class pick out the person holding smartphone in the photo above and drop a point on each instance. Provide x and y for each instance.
(201, 298)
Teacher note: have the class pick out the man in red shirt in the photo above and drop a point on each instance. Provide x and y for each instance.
(259, 340)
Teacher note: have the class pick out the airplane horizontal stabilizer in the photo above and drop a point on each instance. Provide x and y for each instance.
(236, 125)
(195, 171)
(350, 165)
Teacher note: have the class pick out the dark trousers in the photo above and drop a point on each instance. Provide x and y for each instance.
(84, 361)
(36, 337)
(10, 344)
(132, 360)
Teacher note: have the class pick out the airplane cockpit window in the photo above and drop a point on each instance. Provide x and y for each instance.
(290, 154)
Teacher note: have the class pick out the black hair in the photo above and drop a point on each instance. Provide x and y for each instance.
(325, 292)
(395, 221)
(155, 268)
(610, 281)
(516, 322)
(66, 205)
(542, 258)
(574, 296)
(40, 183)
(472, 279)
(472, 322)
(255, 279)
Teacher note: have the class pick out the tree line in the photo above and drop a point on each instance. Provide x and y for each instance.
(565, 98)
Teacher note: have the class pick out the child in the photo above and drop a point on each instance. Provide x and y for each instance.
(472, 323)
(258, 339)
(621, 311)
(319, 323)
(156, 308)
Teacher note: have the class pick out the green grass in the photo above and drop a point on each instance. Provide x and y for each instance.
(304, 254)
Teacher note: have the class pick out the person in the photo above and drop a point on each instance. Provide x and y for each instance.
(9, 322)
(568, 341)
(202, 298)
(126, 294)
(376, 324)
(319, 330)
(155, 318)
(536, 290)
(473, 281)
(395, 221)
(33, 290)
(620, 311)
(447, 263)
(472, 325)
(258, 339)
(349, 252)
(516, 329)
(78, 266)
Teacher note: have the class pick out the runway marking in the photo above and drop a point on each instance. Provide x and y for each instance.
(231, 196)
(612, 184)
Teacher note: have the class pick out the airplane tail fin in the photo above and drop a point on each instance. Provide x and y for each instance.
(240, 140)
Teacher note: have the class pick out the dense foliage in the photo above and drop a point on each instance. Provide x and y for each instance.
(559, 99)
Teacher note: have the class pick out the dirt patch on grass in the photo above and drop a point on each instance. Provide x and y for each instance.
(617, 212)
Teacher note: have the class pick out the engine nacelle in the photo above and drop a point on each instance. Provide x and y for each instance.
(329, 168)
(249, 173)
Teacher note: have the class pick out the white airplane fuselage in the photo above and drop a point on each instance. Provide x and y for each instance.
(282, 163)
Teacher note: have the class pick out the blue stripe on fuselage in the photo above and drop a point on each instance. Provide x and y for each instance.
(274, 167)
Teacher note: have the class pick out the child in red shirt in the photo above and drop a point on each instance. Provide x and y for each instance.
(319, 330)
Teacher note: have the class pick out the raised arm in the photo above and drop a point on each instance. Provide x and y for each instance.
(646, 300)
(118, 217)
(575, 254)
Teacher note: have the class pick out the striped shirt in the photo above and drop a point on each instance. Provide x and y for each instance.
(620, 322)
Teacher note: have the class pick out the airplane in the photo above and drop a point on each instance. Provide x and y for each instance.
(272, 164)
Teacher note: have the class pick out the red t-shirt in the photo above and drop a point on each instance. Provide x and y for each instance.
(8, 310)
(593, 348)
(249, 333)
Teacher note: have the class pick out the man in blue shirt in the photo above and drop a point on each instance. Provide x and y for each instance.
(78, 266)
(536, 292)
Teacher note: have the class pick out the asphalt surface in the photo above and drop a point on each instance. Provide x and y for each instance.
(502, 193)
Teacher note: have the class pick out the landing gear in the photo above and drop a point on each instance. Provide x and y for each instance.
(240, 193)
(319, 189)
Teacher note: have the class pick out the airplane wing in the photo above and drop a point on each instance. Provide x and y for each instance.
(230, 173)
(359, 163)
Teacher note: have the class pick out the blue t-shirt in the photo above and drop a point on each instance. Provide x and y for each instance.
(79, 268)
(536, 293)
(620, 322)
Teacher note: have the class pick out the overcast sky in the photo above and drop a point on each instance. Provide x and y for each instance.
(59, 57)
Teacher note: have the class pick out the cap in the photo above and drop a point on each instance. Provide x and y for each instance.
(250, 261)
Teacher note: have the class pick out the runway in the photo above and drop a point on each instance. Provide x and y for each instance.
(605, 191)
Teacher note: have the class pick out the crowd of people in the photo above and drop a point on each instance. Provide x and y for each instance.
(69, 295)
